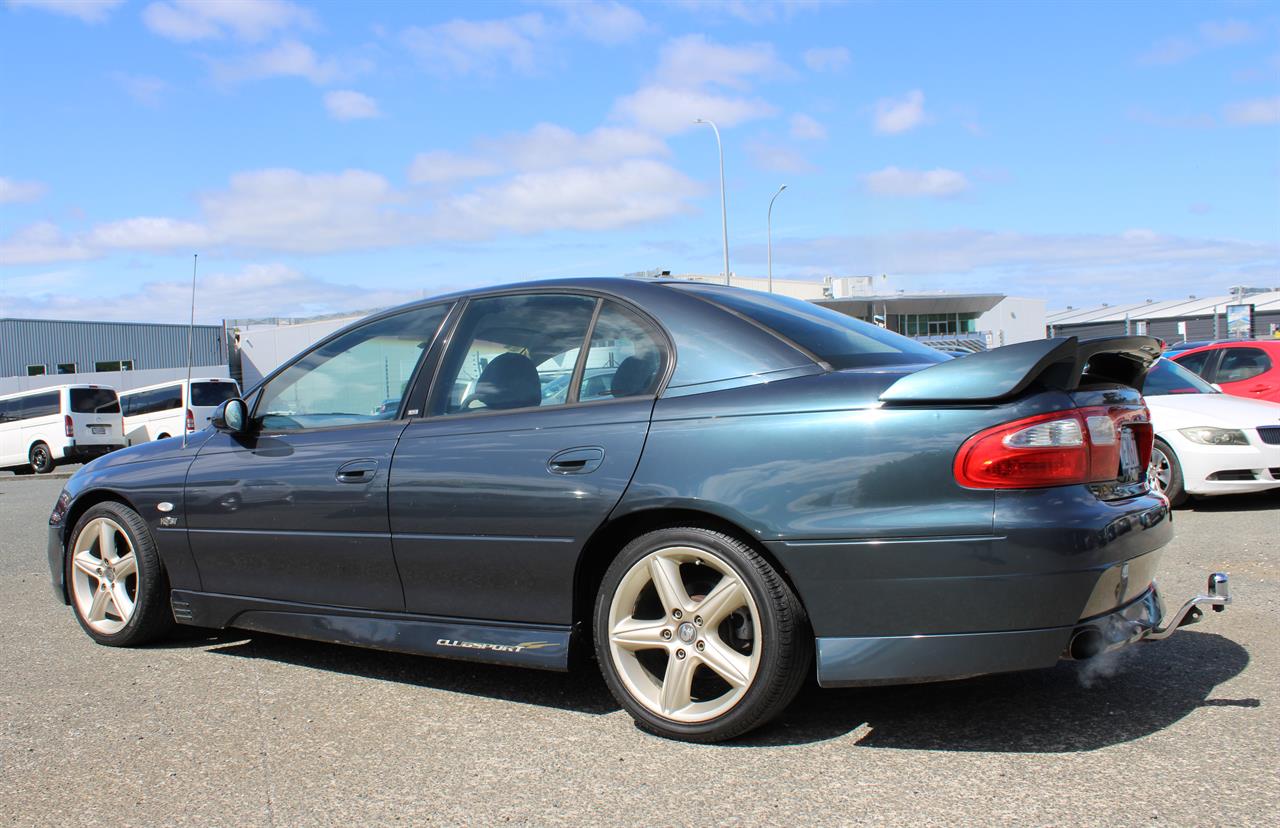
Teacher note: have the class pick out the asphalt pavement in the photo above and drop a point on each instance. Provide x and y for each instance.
(249, 729)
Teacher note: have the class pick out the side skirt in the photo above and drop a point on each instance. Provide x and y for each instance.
(543, 647)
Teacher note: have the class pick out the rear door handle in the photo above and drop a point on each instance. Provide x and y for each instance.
(357, 471)
(576, 460)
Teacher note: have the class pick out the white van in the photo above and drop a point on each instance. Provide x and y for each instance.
(160, 411)
(63, 424)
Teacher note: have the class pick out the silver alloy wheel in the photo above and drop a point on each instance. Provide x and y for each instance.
(687, 637)
(1160, 472)
(104, 576)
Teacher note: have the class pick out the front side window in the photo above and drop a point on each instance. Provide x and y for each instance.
(513, 352)
(624, 359)
(361, 376)
(94, 401)
(1240, 364)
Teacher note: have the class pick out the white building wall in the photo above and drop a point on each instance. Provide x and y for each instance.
(263, 349)
(1014, 319)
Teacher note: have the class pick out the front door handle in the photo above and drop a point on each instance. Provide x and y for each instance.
(357, 471)
(576, 460)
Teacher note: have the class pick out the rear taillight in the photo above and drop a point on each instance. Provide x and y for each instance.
(191, 421)
(1081, 445)
(68, 425)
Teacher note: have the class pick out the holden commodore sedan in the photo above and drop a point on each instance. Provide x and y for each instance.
(760, 485)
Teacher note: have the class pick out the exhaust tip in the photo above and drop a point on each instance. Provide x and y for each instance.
(1086, 643)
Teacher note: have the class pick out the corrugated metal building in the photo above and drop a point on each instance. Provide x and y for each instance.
(49, 346)
(1160, 318)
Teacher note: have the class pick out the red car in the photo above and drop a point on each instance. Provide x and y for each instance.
(1248, 368)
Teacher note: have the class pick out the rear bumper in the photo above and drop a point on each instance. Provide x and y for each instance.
(89, 451)
(852, 661)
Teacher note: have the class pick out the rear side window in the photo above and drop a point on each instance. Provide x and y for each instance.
(212, 393)
(94, 401)
(1168, 377)
(40, 405)
(624, 359)
(839, 340)
(1243, 363)
(1197, 362)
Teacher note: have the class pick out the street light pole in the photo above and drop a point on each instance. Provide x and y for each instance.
(724, 215)
(769, 233)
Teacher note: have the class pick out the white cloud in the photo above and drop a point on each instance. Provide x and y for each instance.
(289, 58)
(88, 11)
(478, 47)
(144, 89)
(671, 110)
(348, 105)
(256, 290)
(694, 61)
(1212, 34)
(41, 243)
(606, 22)
(755, 12)
(13, 192)
(897, 115)
(805, 128)
(148, 233)
(892, 181)
(571, 198)
(442, 167)
(248, 20)
(1259, 111)
(827, 60)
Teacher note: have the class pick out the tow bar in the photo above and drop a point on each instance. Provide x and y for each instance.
(1218, 596)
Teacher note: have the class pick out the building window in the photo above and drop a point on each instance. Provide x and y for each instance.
(35, 370)
(118, 365)
(937, 324)
(66, 367)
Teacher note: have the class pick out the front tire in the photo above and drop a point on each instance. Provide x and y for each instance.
(1166, 473)
(117, 586)
(698, 636)
(41, 458)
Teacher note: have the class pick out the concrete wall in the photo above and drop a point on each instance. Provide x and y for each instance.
(263, 349)
(119, 380)
(1014, 319)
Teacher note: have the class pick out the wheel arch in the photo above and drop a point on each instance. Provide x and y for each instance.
(609, 539)
(83, 503)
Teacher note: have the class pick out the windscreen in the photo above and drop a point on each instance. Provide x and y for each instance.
(1168, 377)
(94, 401)
(212, 393)
(839, 340)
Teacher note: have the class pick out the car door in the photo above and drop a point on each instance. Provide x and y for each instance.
(1246, 372)
(296, 509)
(496, 490)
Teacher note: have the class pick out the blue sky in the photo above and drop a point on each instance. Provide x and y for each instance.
(324, 156)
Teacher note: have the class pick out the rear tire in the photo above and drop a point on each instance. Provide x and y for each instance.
(41, 459)
(1166, 473)
(118, 588)
(698, 636)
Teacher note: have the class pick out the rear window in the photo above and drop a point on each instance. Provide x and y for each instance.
(212, 393)
(839, 340)
(1167, 377)
(94, 401)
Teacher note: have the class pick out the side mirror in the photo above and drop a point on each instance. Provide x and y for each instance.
(231, 417)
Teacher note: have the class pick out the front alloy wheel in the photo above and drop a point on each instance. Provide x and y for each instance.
(698, 636)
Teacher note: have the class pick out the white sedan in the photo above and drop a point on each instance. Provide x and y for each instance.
(1207, 442)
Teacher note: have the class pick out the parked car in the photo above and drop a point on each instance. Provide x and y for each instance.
(1242, 368)
(61, 424)
(764, 483)
(1207, 442)
(156, 412)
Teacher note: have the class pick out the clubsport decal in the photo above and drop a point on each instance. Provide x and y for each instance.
(498, 648)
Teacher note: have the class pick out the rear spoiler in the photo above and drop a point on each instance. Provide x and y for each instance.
(1000, 373)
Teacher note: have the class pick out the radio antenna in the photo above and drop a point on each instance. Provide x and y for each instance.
(191, 332)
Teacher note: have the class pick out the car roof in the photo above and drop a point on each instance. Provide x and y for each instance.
(1265, 344)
